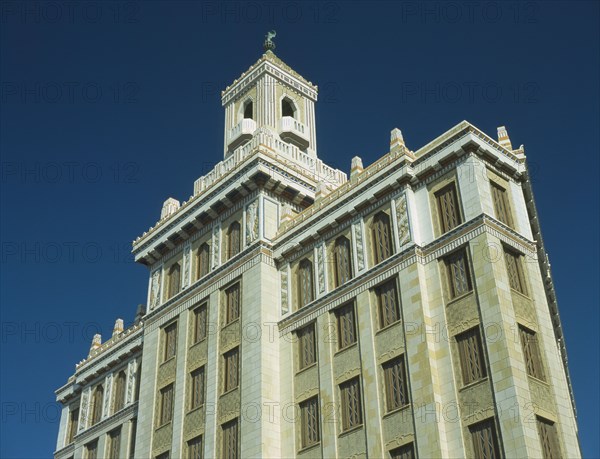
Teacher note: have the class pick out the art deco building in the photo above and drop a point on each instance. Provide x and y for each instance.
(404, 311)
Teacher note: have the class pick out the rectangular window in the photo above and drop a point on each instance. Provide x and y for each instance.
(307, 353)
(114, 444)
(343, 264)
(448, 208)
(548, 438)
(203, 261)
(310, 430)
(97, 401)
(351, 404)
(200, 323)
(230, 440)
(305, 283)
(346, 325)
(404, 452)
(170, 341)
(119, 391)
(73, 424)
(233, 239)
(230, 369)
(501, 204)
(387, 299)
(174, 280)
(470, 351)
(514, 268)
(531, 353)
(166, 404)
(457, 270)
(132, 438)
(197, 388)
(195, 448)
(382, 239)
(396, 384)
(165, 455)
(91, 450)
(232, 303)
(485, 440)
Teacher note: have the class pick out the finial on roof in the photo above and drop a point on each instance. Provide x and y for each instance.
(139, 313)
(287, 214)
(396, 140)
(356, 166)
(269, 44)
(503, 138)
(96, 343)
(118, 328)
(322, 190)
(169, 207)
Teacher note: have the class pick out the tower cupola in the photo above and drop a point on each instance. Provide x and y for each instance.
(272, 97)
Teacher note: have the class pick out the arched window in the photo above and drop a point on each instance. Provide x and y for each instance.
(248, 110)
(203, 261)
(343, 263)
(97, 404)
(119, 399)
(233, 239)
(174, 280)
(382, 241)
(305, 283)
(287, 108)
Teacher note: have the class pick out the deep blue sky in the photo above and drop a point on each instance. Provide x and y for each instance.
(109, 108)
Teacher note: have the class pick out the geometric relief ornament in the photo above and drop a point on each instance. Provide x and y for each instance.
(155, 289)
(186, 267)
(216, 243)
(107, 395)
(251, 222)
(358, 237)
(402, 220)
(321, 267)
(85, 402)
(284, 291)
(131, 370)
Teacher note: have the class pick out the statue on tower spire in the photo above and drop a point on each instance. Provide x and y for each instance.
(269, 45)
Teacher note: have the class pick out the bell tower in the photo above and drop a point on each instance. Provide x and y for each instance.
(270, 97)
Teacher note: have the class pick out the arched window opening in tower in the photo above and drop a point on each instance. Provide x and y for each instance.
(287, 108)
(248, 110)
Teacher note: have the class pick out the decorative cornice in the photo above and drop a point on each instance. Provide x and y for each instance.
(108, 423)
(67, 451)
(412, 169)
(264, 157)
(414, 253)
(258, 252)
(269, 63)
(88, 367)
(114, 341)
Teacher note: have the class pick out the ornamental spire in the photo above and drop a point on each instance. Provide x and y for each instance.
(269, 44)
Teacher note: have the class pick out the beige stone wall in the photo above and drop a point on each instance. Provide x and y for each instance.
(442, 406)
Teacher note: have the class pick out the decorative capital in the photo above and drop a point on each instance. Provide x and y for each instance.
(269, 44)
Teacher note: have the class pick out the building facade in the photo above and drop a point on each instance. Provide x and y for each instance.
(404, 311)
